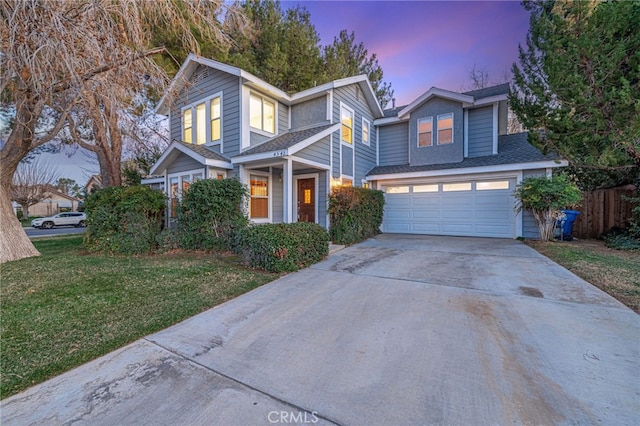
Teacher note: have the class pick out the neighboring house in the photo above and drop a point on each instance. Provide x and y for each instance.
(444, 161)
(54, 202)
(93, 184)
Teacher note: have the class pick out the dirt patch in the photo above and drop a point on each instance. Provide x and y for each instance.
(530, 291)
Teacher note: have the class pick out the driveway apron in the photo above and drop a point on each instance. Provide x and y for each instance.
(398, 330)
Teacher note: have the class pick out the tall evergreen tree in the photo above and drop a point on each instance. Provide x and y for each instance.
(578, 81)
(345, 57)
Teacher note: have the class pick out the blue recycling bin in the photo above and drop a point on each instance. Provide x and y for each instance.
(567, 223)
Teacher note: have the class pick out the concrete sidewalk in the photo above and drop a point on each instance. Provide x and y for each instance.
(397, 330)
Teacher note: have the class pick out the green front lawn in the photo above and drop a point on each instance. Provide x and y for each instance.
(616, 272)
(67, 307)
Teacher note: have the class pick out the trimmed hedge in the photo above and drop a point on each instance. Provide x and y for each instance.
(356, 214)
(124, 219)
(210, 213)
(282, 247)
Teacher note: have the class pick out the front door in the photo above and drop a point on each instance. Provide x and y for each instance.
(307, 200)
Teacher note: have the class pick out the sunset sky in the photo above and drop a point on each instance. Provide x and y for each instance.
(419, 44)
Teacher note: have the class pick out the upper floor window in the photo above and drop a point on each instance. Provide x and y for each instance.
(215, 120)
(187, 125)
(262, 113)
(366, 131)
(445, 129)
(346, 118)
(195, 125)
(425, 132)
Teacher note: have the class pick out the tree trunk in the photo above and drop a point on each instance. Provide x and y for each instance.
(14, 243)
(25, 210)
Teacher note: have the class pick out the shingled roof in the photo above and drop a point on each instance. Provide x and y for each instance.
(285, 141)
(512, 149)
(204, 151)
(500, 89)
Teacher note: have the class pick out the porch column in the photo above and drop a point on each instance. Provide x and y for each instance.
(287, 191)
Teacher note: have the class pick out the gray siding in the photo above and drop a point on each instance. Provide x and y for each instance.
(480, 131)
(529, 227)
(184, 163)
(318, 152)
(503, 117)
(277, 197)
(436, 154)
(394, 144)
(347, 162)
(283, 118)
(365, 155)
(323, 199)
(206, 82)
(257, 138)
(309, 113)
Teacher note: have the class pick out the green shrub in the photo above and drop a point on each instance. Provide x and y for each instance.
(545, 198)
(282, 247)
(210, 213)
(124, 219)
(621, 239)
(356, 214)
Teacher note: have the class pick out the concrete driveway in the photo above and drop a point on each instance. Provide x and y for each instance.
(398, 330)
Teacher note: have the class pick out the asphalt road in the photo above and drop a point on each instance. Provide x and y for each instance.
(60, 230)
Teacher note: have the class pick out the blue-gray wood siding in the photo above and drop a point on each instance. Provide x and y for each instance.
(207, 82)
(365, 155)
(318, 152)
(323, 199)
(309, 113)
(184, 163)
(277, 197)
(347, 162)
(394, 144)
(436, 154)
(529, 227)
(480, 131)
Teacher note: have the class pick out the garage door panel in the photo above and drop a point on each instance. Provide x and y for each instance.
(486, 213)
(425, 228)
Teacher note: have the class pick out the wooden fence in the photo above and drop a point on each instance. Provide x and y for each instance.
(602, 210)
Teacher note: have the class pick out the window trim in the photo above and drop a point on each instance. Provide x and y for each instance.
(179, 176)
(207, 119)
(438, 117)
(275, 114)
(424, 119)
(345, 107)
(366, 123)
(269, 196)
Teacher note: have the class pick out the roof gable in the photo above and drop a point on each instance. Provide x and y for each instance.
(287, 144)
(191, 64)
(466, 100)
(200, 153)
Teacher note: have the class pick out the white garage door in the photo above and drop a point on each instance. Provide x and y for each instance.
(479, 208)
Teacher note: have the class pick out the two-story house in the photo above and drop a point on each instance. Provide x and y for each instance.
(444, 161)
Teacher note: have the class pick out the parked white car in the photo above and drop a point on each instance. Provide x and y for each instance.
(61, 219)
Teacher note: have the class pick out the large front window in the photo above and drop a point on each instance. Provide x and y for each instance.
(202, 121)
(445, 129)
(346, 118)
(262, 114)
(259, 197)
(366, 131)
(425, 132)
(187, 125)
